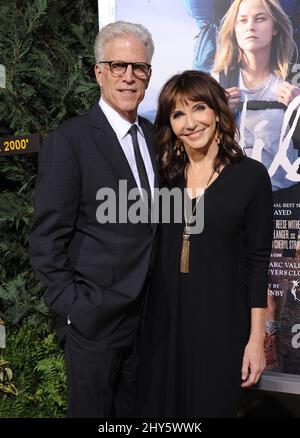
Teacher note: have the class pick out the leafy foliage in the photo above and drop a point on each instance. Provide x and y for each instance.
(22, 305)
(39, 376)
(46, 47)
(6, 376)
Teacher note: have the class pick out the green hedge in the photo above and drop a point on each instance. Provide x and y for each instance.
(46, 47)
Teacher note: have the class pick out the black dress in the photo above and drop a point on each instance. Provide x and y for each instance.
(197, 324)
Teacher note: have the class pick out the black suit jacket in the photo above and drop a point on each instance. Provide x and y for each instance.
(93, 273)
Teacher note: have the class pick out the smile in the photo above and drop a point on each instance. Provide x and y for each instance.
(127, 91)
(195, 134)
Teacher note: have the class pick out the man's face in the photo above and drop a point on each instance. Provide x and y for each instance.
(123, 93)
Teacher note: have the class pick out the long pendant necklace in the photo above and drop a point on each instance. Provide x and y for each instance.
(185, 249)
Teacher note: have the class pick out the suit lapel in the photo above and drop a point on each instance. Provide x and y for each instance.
(109, 146)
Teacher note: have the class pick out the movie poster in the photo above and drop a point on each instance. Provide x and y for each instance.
(226, 39)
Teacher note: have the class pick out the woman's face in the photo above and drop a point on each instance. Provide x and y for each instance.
(194, 123)
(254, 27)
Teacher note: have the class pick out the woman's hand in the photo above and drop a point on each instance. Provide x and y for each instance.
(234, 97)
(287, 92)
(254, 362)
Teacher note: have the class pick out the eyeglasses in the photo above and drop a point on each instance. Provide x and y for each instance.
(141, 70)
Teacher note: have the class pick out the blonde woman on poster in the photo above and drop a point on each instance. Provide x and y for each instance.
(209, 13)
(255, 49)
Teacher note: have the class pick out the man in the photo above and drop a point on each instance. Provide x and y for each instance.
(96, 273)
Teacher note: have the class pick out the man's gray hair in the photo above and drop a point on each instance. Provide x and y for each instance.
(121, 29)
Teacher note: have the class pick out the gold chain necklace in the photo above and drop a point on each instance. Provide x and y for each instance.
(185, 249)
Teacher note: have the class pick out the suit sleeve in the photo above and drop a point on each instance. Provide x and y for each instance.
(258, 239)
(56, 201)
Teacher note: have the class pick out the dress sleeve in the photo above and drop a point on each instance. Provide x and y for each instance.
(258, 239)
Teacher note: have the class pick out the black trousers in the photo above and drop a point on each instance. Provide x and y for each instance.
(102, 373)
(101, 379)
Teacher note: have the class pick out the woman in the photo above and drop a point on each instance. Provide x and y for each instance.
(255, 48)
(204, 325)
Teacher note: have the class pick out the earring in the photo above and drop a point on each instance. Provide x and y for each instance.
(178, 148)
(219, 135)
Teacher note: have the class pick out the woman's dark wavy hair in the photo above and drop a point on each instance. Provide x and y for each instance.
(194, 86)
